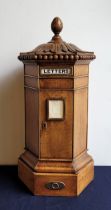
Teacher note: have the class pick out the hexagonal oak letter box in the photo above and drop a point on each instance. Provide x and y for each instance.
(55, 161)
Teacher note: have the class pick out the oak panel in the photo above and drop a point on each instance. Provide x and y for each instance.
(31, 69)
(25, 175)
(80, 82)
(85, 177)
(80, 121)
(57, 83)
(68, 180)
(56, 139)
(31, 121)
(31, 82)
(80, 70)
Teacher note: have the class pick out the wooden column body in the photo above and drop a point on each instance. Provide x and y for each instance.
(55, 161)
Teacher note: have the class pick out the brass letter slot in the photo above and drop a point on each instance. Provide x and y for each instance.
(55, 185)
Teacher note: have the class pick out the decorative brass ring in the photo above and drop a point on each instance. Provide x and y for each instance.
(55, 185)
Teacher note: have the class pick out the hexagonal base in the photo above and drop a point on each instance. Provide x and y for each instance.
(56, 184)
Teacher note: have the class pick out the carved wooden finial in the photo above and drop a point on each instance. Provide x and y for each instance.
(56, 25)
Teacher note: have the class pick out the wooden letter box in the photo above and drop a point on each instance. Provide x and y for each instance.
(55, 161)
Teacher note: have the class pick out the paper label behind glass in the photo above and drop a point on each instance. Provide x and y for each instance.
(55, 109)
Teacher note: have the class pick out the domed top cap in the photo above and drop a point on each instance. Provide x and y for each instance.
(57, 49)
(56, 25)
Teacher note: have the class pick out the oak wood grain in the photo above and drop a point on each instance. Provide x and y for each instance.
(56, 150)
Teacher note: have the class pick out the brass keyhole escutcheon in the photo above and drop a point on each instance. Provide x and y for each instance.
(44, 125)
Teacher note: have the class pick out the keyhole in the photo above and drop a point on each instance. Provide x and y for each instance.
(44, 125)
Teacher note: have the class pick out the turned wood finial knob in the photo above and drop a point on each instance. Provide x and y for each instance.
(56, 25)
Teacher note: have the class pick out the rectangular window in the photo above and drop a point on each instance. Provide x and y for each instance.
(55, 109)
